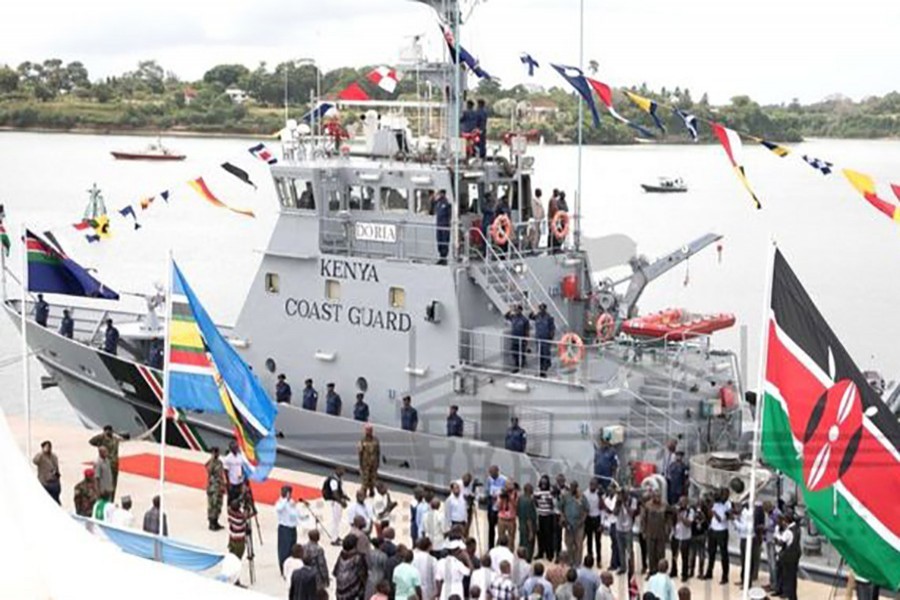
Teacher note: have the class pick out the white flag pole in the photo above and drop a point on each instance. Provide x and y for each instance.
(165, 396)
(26, 388)
(760, 403)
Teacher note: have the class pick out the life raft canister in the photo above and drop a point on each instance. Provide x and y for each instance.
(606, 327)
(571, 349)
(501, 230)
(560, 225)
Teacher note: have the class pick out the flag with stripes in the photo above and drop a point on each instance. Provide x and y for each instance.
(865, 185)
(529, 62)
(690, 123)
(199, 185)
(51, 271)
(577, 80)
(262, 153)
(4, 239)
(828, 430)
(817, 163)
(206, 374)
(604, 92)
(776, 149)
(731, 143)
(648, 106)
(128, 211)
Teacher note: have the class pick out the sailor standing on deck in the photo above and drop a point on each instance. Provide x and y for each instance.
(282, 390)
(481, 123)
(333, 401)
(67, 325)
(361, 409)
(333, 493)
(454, 422)
(409, 416)
(516, 438)
(443, 212)
(111, 339)
(41, 311)
(544, 331)
(310, 395)
(519, 327)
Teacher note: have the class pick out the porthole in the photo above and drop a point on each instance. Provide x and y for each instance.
(270, 365)
(362, 385)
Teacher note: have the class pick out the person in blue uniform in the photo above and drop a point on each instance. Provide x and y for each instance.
(361, 409)
(481, 123)
(41, 311)
(544, 331)
(67, 325)
(519, 327)
(155, 358)
(333, 401)
(606, 462)
(111, 340)
(676, 478)
(282, 390)
(443, 212)
(487, 216)
(454, 423)
(409, 416)
(516, 438)
(468, 120)
(310, 395)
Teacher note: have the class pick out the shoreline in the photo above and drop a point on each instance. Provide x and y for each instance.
(173, 133)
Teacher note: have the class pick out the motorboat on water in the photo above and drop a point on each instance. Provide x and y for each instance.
(666, 185)
(153, 151)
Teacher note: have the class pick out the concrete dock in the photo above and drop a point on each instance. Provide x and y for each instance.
(186, 509)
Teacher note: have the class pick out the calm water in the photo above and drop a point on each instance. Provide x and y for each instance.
(845, 252)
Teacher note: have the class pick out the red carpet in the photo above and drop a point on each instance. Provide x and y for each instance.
(191, 474)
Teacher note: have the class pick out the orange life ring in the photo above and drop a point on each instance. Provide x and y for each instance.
(571, 349)
(606, 327)
(560, 225)
(501, 230)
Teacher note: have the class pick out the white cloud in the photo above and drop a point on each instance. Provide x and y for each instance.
(770, 49)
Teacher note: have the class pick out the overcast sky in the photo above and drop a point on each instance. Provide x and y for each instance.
(773, 50)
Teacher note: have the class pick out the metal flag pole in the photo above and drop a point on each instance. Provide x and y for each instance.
(26, 388)
(577, 232)
(760, 403)
(170, 272)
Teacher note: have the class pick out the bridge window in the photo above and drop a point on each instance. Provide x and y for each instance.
(332, 290)
(422, 200)
(273, 283)
(397, 297)
(301, 193)
(336, 200)
(362, 197)
(394, 198)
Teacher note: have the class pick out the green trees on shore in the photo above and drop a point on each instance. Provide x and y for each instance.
(232, 98)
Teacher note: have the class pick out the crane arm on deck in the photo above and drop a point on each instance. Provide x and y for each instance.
(644, 271)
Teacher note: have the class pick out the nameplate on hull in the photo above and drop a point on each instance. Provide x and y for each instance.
(375, 232)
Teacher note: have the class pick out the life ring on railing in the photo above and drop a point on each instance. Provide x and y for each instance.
(606, 327)
(501, 230)
(571, 349)
(560, 225)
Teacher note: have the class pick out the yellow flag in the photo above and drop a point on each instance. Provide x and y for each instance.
(643, 103)
(862, 183)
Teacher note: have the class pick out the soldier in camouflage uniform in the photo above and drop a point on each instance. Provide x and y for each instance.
(215, 489)
(369, 457)
(110, 440)
(86, 494)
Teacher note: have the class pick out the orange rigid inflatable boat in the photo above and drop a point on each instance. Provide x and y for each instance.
(676, 324)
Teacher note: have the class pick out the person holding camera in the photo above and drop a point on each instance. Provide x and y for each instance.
(496, 483)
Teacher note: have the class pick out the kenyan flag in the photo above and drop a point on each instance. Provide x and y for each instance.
(825, 428)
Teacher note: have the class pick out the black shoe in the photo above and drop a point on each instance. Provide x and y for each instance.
(723, 582)
(214, 526)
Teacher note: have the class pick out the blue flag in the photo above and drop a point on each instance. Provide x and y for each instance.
(464, 56)
(51, 271)
(319, 113)
(206, 373)
(529, 61)
(576, 79)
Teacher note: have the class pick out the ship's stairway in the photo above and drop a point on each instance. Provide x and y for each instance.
(507, 280)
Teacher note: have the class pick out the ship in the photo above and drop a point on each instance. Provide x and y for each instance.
(353, 288)
(154, 151)
(666, 185)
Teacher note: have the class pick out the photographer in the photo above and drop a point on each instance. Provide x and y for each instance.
(496, 483)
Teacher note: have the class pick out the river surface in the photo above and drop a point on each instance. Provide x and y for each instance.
(845, 252)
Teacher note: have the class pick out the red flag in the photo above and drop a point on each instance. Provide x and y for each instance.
(353, 92)
(896, 189)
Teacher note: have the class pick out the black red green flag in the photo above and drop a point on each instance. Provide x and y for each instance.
(829, 431)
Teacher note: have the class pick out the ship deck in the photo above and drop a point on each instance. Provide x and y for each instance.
(186, 508)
